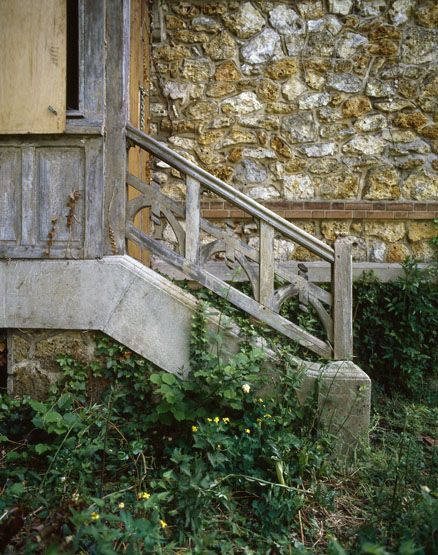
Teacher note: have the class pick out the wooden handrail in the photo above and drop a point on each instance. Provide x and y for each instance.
(222, 189)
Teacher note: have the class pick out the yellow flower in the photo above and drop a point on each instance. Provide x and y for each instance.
(95, 516)
(121, 505)
(209, 420)
(260, 400)
(194, 428)
(226, 420)
(163, 523)
(247, 431)
(217, 419)
(144, 495)
(268, 416)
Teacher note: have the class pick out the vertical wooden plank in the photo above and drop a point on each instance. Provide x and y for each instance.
(33, 66)
(267, 264)
(93, 198)
(193, 216)
(342, 284)
(11, 173)
(138, 159)
(29, 207)
(117, 76)
(92, 52)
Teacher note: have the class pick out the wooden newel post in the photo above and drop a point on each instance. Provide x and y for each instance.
(193, 217)
(342, 280)
(267, 264)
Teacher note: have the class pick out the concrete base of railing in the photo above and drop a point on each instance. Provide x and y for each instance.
(152, 316)
(344, 401)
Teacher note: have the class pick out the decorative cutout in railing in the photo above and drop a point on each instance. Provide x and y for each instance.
(333, 309)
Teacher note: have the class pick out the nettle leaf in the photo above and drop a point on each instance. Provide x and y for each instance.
(16, 489)
(229, 393)
(52, 417)
(155, 378)
(65, 401)
(169, 379)
(41, 448)
(179, 413)
(37, 405)
(70, 418)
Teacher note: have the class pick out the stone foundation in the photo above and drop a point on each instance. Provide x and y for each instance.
(325, 110)
(32, 358)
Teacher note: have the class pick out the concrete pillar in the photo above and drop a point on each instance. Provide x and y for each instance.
(344, 401)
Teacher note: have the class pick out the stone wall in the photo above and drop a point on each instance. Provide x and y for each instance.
(326, 111)
(32, 355)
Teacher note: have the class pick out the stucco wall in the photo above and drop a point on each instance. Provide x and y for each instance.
(324, 110)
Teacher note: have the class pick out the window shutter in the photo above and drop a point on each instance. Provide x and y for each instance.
(32, 66)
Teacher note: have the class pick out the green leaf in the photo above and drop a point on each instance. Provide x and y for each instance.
(37, 405)
(169, 379)
(53, 417)
(155, 378)
(65, 401)
(16, 489)
(41, 448)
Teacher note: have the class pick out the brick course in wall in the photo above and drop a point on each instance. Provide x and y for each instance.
(330, 209)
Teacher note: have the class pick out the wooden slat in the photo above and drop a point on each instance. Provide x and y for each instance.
(267, 264)
(192, 219)
(342, 301)
(33, 66)
(230, 194)
(252, 307)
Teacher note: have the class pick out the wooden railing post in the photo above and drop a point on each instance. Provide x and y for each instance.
(192, 219)
(342, 281)
(267, 264)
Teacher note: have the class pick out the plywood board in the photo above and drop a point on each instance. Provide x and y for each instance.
(33, 66)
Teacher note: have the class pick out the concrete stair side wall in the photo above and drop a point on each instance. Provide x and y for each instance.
(152, 316)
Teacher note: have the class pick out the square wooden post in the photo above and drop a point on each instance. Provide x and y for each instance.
(342, 279)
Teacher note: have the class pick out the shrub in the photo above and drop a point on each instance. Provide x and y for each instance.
(125, 458)
(396, 329)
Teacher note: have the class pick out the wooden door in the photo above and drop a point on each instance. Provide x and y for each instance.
(138, 161)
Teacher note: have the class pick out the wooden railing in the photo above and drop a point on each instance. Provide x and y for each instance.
(334, 309)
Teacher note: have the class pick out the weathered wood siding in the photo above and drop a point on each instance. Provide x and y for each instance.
(52, 184)
(50, 197)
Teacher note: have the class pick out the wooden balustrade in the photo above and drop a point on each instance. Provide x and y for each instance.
(334, 309)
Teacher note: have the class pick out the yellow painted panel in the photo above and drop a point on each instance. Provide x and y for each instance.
(32, 66)
(139, 162)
